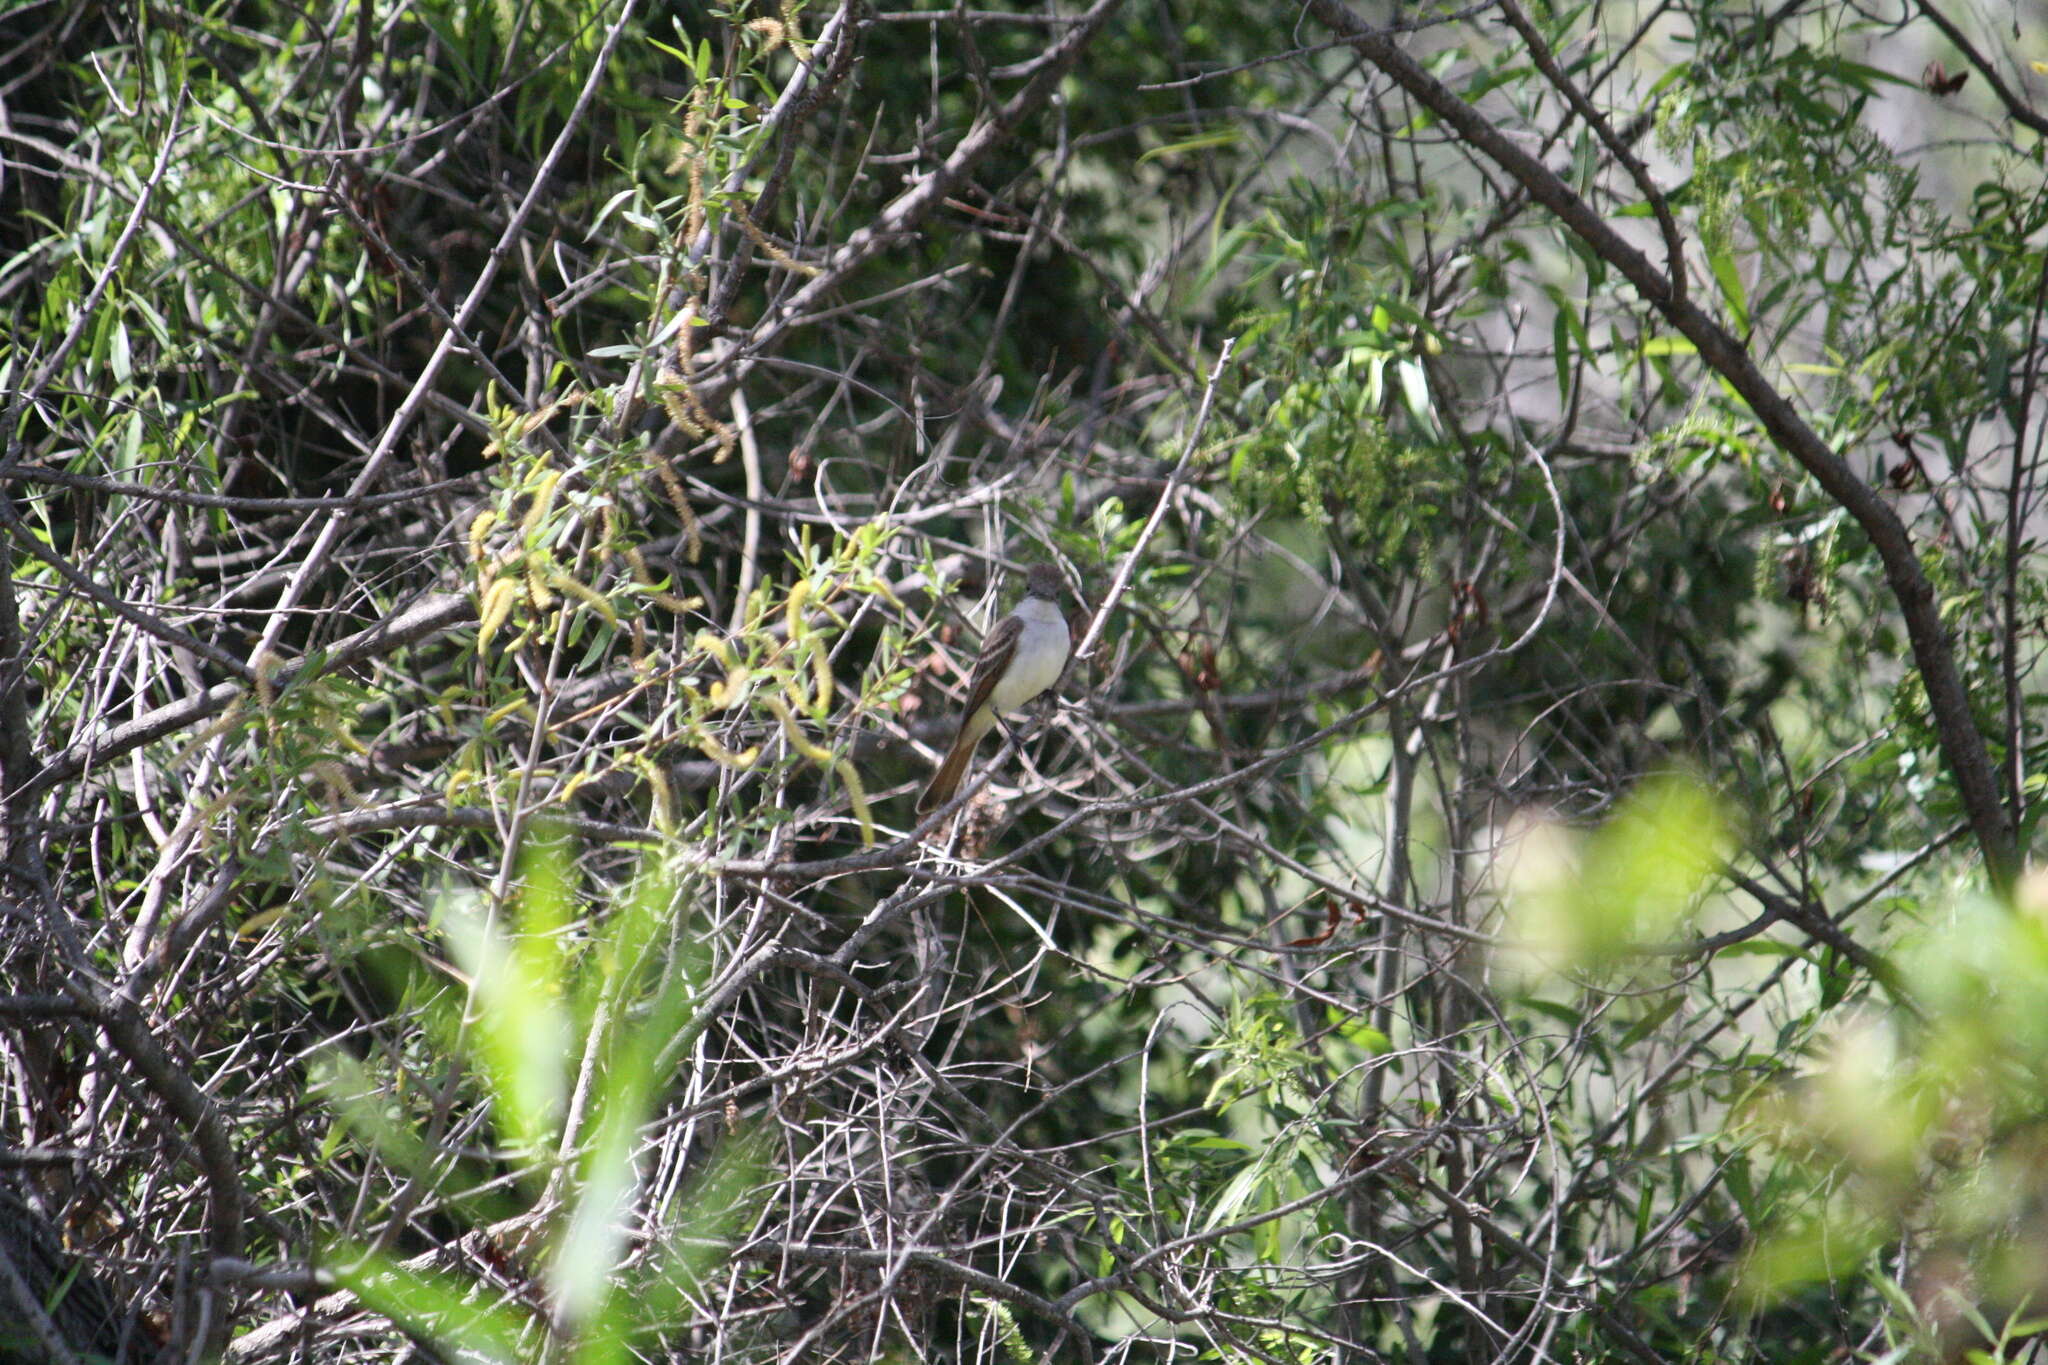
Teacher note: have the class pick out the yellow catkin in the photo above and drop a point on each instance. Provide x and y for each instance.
(264, 666)
(543, 503)
(794, 627)
(537, 590)
(760, 239)
(584, 594)
(693, 125)
(794, 686)
(821, 666)
(518, 706)
(793, 612)
(251, 929)
(858, 795)
(524, 426)
(698, 421)
(664, 802)
(686, 337)
(692, 534)
(496, 608)
(678, 411)
(879, 586)
(666, 600)
(478, 529)
(726, 694)
(714, 646)
(725, 757)
(791, 33)
(794, 732)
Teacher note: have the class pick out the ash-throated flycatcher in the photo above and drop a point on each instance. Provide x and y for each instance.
(1022, 656)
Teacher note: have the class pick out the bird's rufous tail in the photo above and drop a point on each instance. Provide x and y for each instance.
(947, 779)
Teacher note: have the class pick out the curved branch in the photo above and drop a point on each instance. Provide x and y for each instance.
(907, 210)
(428, 616)
(2018, 109)
(1962, 745)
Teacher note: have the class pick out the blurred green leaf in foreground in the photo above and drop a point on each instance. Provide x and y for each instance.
(567, 1019)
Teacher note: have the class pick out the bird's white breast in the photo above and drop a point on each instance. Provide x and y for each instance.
(1041, 654)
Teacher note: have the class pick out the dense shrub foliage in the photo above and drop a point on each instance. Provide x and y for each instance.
(1529, 862)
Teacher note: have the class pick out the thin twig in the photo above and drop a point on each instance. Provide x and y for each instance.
(1086, 649)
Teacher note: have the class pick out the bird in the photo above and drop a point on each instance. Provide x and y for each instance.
(1022, 656)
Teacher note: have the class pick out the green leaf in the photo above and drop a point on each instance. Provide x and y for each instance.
(516, 1016)
(1228, 137)
(441, 1308)
(1652, 1021)
(1415, 392)
(1562, 1013)
(1760, 947)
(1722, 263)
(1359, 1033)
(120, 357)
(1588, 903)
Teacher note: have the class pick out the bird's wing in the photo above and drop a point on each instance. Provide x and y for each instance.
(993, 663)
